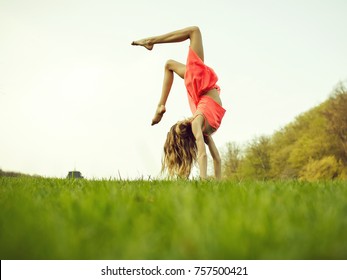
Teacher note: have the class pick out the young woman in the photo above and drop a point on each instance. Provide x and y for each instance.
(185, 143)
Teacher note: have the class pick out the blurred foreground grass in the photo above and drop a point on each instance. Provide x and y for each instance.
(82, 219)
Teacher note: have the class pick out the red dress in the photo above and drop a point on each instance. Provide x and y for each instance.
(199, 79)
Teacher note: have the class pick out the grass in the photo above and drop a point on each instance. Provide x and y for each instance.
(82, 219)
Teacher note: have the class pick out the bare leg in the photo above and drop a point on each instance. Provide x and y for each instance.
(193, 33)
(171, 67)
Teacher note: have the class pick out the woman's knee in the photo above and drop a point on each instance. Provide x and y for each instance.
(176, 67)
(195, 29)
(170, 64)
(196, 41)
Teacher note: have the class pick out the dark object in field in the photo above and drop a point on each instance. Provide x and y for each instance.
(75, 175)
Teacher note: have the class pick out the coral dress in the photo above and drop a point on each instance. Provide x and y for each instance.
(199, 79)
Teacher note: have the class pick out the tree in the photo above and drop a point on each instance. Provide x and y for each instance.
(232, 160)
(336, 115)
(313, 146)
(256, 163)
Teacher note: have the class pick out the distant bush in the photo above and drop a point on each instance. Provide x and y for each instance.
(326, 168)
(12, 174)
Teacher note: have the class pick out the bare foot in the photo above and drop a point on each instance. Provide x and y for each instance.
(144, 43)
(158, 114)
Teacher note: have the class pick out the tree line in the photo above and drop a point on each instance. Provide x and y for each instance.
(10, 174)
(312, 147)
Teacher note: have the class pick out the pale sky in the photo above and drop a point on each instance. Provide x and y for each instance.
(74, 94)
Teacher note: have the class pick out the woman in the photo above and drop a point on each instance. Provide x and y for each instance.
(185, 143)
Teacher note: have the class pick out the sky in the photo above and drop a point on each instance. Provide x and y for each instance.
(75, 95)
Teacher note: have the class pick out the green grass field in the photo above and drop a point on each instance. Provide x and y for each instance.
(83, 219)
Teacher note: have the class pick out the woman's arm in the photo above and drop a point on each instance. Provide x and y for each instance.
(199, 138)
(217, 163)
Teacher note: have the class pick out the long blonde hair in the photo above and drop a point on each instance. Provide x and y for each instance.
(180, 150)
